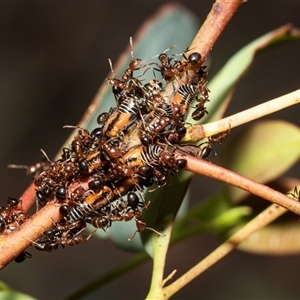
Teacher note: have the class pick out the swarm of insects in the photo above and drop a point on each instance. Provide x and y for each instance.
(10, 216)
(132, 147)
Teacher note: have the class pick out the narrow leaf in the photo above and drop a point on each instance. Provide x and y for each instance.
(173, 25)
(223, 84)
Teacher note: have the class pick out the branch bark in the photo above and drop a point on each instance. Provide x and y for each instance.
(15, 242)
(208, 169)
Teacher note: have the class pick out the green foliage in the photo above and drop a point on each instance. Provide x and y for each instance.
(6, 293)
(264, 151)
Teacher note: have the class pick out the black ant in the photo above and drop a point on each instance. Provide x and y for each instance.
(214, 139)
(9, 215)
(22, 256)
(295, 194)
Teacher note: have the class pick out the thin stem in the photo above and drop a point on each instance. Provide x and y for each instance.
(199, 132)
(208, 169)
(216, 21)
(263, 219)
(160, 248)
(219, 16)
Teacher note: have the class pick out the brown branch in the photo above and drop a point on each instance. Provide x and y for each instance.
(208, 169)
(15, 242)
(216, 21)
(12, 244)
(28, 198)
(204, 41)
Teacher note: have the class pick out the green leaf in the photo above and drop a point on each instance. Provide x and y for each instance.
(222, 87)
(6, 293)
(230, 218)
(224, 83)
(172, 25)
(214, 214)
(165, 203)
(262, 152)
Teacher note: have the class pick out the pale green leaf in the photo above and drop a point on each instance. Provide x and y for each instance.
(173, 26)
(282, 236)
(6, 293)
(280, 239)
(262, 152)
(224, 83)
(215, 214)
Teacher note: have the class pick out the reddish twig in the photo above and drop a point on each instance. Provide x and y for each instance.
(15, 242)
(12, 244)
(204, 41)
(208, 169)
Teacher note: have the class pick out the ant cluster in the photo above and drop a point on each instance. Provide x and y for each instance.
(10, 216)
(100, 177)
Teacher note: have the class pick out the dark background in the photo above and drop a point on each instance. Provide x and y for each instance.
(53, 59)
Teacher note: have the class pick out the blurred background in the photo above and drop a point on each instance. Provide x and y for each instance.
(53, 60)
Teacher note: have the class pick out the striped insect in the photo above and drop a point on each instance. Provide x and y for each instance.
(79, 211)
(122, 118)
(154, 123)
(142, 156)
(90, 202)
(181, 102)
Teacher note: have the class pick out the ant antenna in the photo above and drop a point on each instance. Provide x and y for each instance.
(111, 68)
(131, 45)
(46, 156)
(168, 49)
(71, 126)
(12, 166)
(149, 228)
(157, 232)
